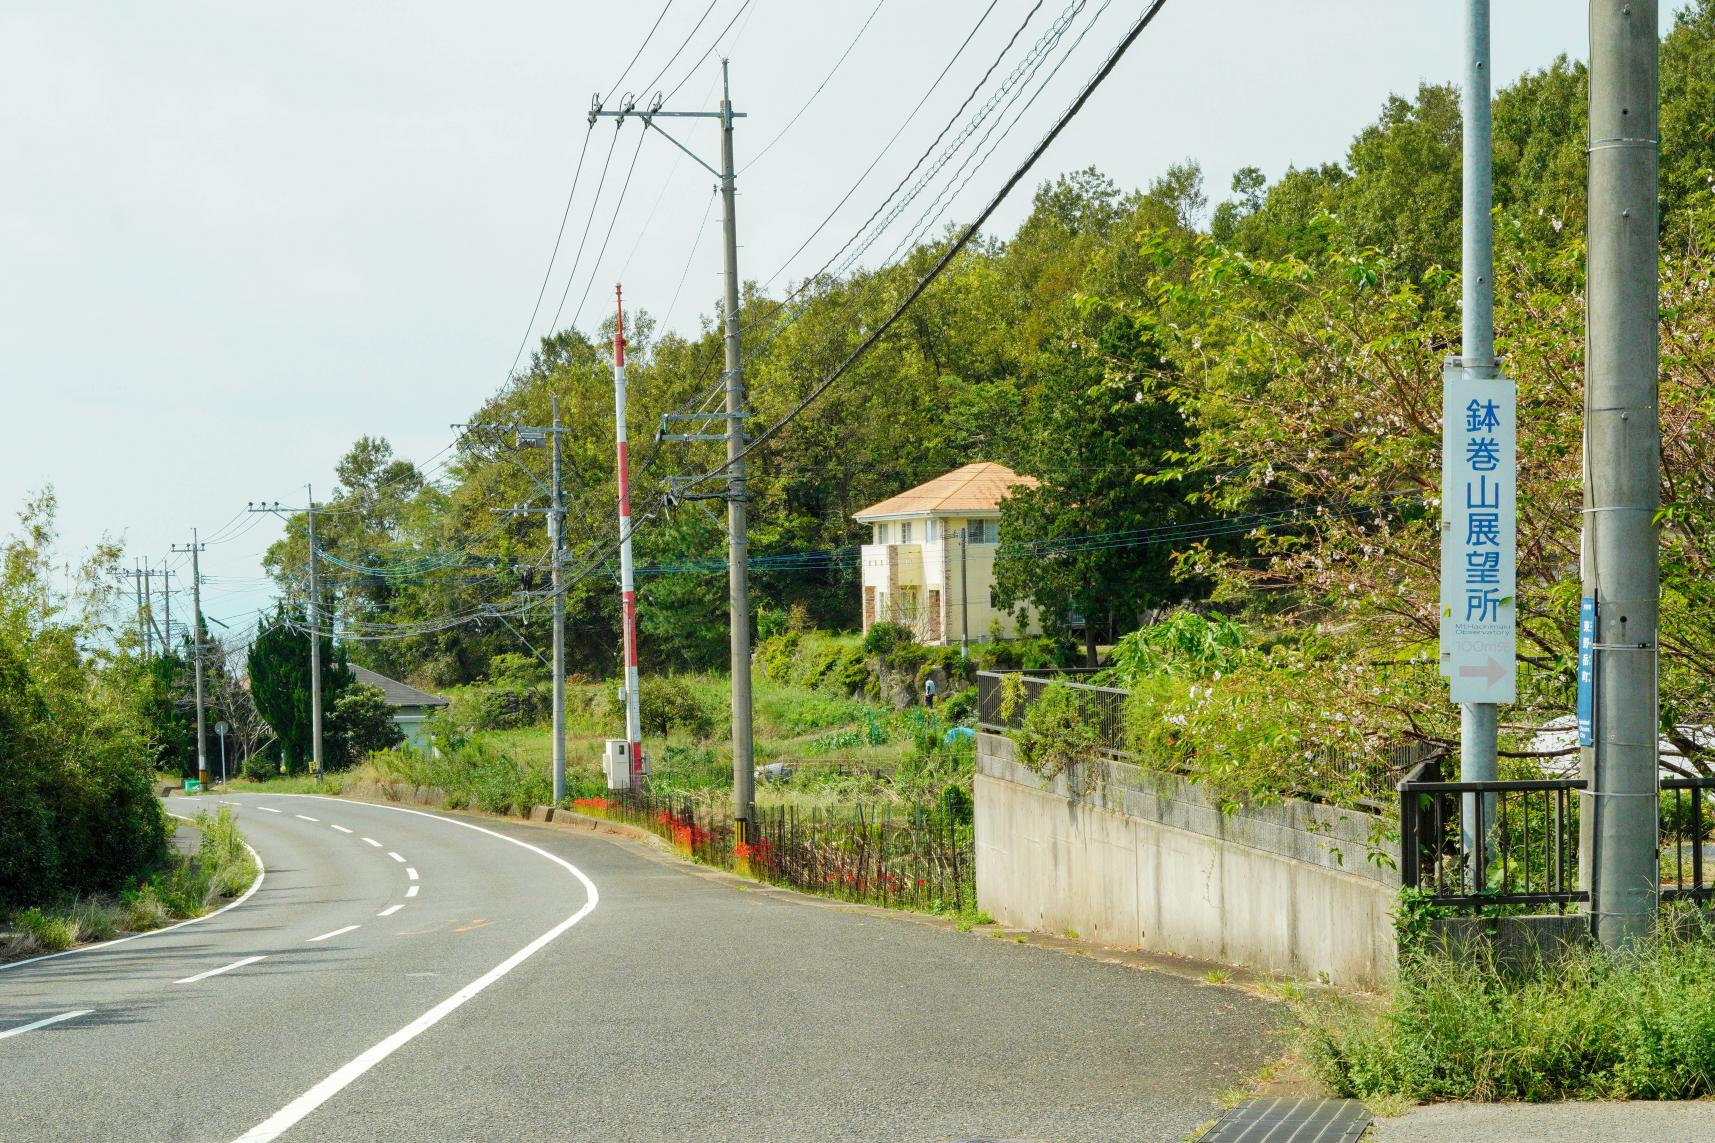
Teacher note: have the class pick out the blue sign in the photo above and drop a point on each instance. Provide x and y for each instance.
(1587, 671)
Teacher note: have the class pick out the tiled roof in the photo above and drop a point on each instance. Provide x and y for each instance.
(976, 487)
(398, 693)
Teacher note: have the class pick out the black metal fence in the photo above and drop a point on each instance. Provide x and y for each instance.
(918, 856)
(1106, 704)
(1474, 844)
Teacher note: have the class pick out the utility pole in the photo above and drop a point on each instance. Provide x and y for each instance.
(535, 436)
(315, 641)
(557, 541)
(167, 610)
(627, 584)
(195, 549)
(313, 611)
(1622, 473)
(1479, 722)
(137, 574)
(738, 547)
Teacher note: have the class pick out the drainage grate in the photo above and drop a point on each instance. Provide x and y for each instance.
(1291, 1121)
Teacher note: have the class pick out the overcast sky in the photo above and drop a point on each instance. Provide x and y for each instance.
(234, 237)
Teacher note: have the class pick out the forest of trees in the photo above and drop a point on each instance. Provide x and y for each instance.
(1262, 375)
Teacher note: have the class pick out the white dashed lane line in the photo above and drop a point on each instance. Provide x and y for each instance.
(411, 873)
(306, 817)
(266, 809)
(395, 857)
(335, 933)
(341, 829)
(373, 842)
(22, 1028)
(390, 910)
(412, 891)
(221, 969)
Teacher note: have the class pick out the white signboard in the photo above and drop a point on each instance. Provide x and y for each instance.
(1479, 545)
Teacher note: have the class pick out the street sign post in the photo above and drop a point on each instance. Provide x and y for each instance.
(1587, 671)
(220, 729)
(1479, 525)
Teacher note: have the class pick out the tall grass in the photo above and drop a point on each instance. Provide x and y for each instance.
(1589, 1025)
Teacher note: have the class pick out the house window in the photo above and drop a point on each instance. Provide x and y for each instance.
(881, 533)
(932, 530)
(905, 532)
(980, 531)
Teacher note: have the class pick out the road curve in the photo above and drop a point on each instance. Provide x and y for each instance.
(511, 998)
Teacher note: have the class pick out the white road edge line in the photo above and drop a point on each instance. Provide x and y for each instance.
(341, 829)
(411, 873)
(261, 872)
(221, 969)
(373, 842)
(335, 933)
(307, 817)
(412, 891)
(22, 1028)
(391, 909)
(283, 1120)
(395, 857)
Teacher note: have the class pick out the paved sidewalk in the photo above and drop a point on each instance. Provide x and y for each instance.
(1552, 1123)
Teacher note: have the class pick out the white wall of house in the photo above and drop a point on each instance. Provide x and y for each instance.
(912, 575)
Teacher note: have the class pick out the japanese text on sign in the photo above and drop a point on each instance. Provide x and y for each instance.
(1478, 537)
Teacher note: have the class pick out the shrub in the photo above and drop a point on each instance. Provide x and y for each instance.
(259, 767)
(48, 932)
(1588, 1026)
(504, 705)
(961, 705)
(667, 704)
(1058, 732)
(885, 639)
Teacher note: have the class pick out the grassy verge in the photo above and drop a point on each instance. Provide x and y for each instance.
(188, 886)
(1588, 1026)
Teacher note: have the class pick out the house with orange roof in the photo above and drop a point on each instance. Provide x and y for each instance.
(930, 561)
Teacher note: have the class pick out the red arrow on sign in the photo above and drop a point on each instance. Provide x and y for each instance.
(1492, 671)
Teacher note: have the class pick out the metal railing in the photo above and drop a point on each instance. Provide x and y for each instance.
(1474, 844)
(1105, 704)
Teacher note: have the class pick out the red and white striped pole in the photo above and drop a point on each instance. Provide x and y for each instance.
(628, 589)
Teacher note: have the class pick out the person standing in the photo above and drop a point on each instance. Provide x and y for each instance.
(929, 693)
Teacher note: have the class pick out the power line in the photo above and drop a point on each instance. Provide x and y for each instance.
(952, 251)
(708, 209)
(618, 203)
(639, 51)
(879, 155)
(687, 43)
(768, 146)
(572, 274)
(542, 291)
(709, 50)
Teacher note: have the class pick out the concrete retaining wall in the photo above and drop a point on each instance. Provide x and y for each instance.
(1148, 860)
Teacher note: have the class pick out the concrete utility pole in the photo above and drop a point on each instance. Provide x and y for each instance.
(137, 574)
(167, 610)
(556, 542)
(627, 584)
(738, 546)
(738, 538)
(195, 549)
(1622, 469)
(315, 609)
(535, 436)
(1479, 722)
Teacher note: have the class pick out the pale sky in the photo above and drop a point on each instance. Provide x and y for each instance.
(234, 237)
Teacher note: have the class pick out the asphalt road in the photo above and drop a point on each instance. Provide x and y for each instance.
(573, 987)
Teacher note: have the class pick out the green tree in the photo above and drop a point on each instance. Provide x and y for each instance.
(1096, 436)
(279, 668)
(359, 722)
